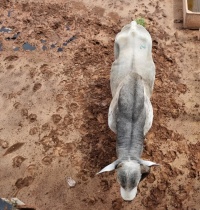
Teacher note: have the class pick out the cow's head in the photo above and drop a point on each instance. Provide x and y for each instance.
(129, 174)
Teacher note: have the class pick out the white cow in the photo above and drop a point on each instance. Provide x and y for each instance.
(130, 112)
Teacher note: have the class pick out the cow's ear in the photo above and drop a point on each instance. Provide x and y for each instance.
(144, 169)
(148, 163)
(110, 167)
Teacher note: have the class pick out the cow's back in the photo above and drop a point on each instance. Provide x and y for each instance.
(132, 48)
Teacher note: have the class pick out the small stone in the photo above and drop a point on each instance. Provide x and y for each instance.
(4, 144)
(71, 182)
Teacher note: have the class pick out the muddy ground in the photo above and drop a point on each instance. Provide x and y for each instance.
(55, 98)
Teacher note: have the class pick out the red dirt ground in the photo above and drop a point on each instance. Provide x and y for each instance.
(55, 105)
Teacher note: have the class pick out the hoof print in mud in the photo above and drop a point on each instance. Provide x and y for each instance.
(32, 118)
(24, 182)
(37, 86)
(47, 160)
(17, 161)
(56, 118)
(33, 131)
